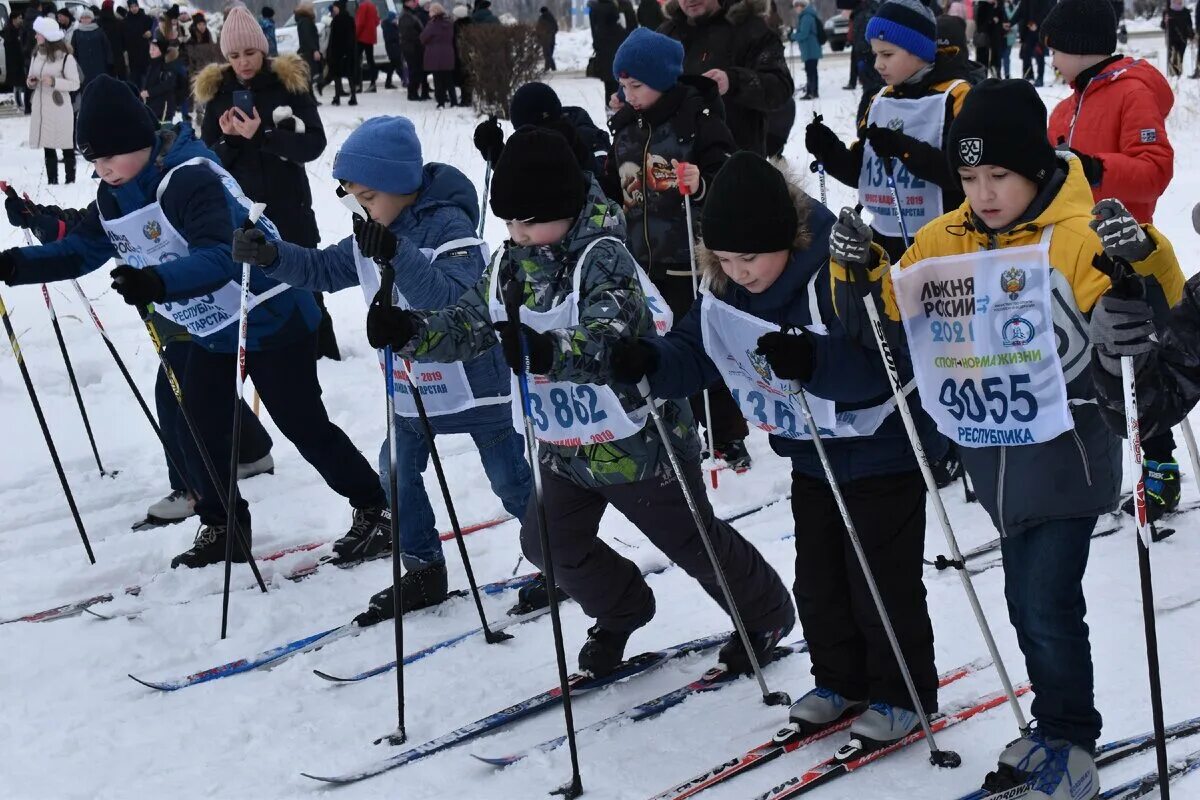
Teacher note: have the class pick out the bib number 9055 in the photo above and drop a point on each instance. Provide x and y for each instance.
(976, 403)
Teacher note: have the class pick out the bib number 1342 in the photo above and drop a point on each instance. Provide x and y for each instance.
(990, 398)
(580, 406)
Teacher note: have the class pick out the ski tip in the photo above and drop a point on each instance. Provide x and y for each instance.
(325, 778)
(162, 687)
(98, 615)
(331, 678)
(495, 761)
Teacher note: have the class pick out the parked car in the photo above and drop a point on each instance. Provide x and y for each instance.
(837, 30)
(288, 39)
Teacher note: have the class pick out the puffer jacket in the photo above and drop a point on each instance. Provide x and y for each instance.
(805, 34)
(1077, 474)
(446, 210)
(845, 370)
(92, 51)
(611, 306)
(197, 204)
(686, 125)
(1118, 114)
(52, 125)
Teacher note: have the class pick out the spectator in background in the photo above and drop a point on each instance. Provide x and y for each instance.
(53, 74)
(267, 23)
(309, 43)
(806, 38)
(650, 14)
(607, 34)
(342, 51)
(391, 44)
(862, 56)
(14, 59)
(202, 50)
(437, 42)
(547, 29)
(483, 12)
(64, 19)
(161, 84)
(91, 47)
(168, 25)
(1008, 39)
(411, 24)
(989, 31)
(366, 34)
(136, 29)
(1028, 19)
(114, 29)
(628, 15)
(1177, 22)
(462, 76)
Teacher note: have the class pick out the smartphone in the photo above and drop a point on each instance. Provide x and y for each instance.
(243, 100)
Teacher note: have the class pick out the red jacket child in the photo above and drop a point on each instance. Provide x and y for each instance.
(366, 23)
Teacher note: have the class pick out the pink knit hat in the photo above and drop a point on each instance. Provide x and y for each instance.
(240, 32)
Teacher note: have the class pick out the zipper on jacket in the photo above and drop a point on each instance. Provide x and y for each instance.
(1078, 108)
(1087, 470)
(1000, 490)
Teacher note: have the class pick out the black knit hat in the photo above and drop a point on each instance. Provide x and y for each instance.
(112, 120)
(748, 208)
(533, 104)
(1081, 28)
(537, 178)
(1002, 123)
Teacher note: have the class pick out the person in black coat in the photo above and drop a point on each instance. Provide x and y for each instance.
(391, 45)
(1028, 18)
(411, 25)
(607, 35)
(650, 14)
(989, 30)
(342, 51)
(1177, 22)
(91, 48)
(114, 29)
(135, 32)
(309, 43)
(161, 82)
(14, 59)
(547, 29)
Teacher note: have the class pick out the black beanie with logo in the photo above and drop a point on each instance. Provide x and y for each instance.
(537, 178)
(112, 120)
(1002, 123)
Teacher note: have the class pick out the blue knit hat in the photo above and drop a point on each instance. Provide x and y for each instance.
(383, 153)
(651, 58)
(908, 24)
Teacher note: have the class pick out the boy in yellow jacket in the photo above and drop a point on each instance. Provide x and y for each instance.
(995, 298)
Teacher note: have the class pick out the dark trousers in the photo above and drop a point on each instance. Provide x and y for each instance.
(418, 82)
(727, 420)
(286, 379)
(68, 161)
(548, 56)
(610, 588)
(1027, 68)
(1159, 447)
(443, 87)
(365, 52)
(810, 74)
(337, 86)
(849, 647)
(853, 82)
(1175, 53)
(1043, 584)
(255, 443)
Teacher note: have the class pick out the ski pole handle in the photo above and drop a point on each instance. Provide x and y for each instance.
(1126, 283)
(256, 212)
(680, 181)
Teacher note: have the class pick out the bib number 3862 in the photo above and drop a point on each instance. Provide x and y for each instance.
(580, 405)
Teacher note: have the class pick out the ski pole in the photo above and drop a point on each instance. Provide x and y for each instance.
(492, 637)
(483, 209)
(891, 182)
(1190, 439)
(708, 425)
(956, 558)
(236, 437)
(574, 787)
(37, 409)
(819, 166)
(769, 697)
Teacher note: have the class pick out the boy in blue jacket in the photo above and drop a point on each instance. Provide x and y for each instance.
(422, 218)
(167, 210)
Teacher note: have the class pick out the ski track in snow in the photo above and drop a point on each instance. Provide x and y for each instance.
(75, 727)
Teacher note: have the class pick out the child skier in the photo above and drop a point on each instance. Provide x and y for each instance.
(765, 265)
(422, 219)
(1042, 461)
(671, 129)
(154, 186)
(580, 292)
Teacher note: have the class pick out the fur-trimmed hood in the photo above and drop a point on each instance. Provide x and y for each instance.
(289, 69)
(736, 12)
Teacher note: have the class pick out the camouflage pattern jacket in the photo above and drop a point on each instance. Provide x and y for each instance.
(612, 306)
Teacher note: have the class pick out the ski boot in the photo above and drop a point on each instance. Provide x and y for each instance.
(369, 537)
(419, 588)
(209, 548)
(1162, 489)
(604, 649)
(821, 708)
(732, 655)
(534, 596)
(175, 507)
(734, 454)
(879, 726)
(1048, 769)
(266, 464)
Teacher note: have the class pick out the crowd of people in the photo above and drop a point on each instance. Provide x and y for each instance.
(612, 292)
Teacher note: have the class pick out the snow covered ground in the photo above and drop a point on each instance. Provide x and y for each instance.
(74, 726)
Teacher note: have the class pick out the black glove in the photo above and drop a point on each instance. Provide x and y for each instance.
(252, 247)
(375, 241)
(790, 355)
(138, 287)
(1121, 327)
(19, 210)
(388, 325)
(8, 264)
(820, 140)
(51, 223)
(540, 345)
(631, 360)
(850, 240)
(888, 143)
(1093, 168)
(489, 140)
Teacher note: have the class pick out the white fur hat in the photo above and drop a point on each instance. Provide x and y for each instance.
(48, 28)
(460, 12)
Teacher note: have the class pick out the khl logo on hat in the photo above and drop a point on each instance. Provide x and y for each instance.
(970, 151)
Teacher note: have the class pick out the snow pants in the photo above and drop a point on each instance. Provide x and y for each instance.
(849, 647)
(610, 588)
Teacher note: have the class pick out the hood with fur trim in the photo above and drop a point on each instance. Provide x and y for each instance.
(289, 69)
(736, 12)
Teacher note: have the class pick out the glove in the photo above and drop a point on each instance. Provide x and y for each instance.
(138, 287)
(51, 223)
(1119, 232)
(388, 326)
(20, 214)
(1121, 327)
(790, 355)
(251, 247)
(631, 360)
(8, 264)
(375, 241)
(820, 140)
(1093, 168)
(541, 347)
(489, 140)
(888, 143)
(850, 240)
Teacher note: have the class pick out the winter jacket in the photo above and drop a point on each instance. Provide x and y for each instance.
(366, 23)
(594, 138)
(202, 50)
(805, 33)
(202, 210)
(308, 38)
(546, 29)
(391, 39)
(1027, 19)
(268, 29)
(92, 51)
(650, 14)
(269, 167)
(341, 54)
(162, 83)
(923, 160)
(14, 59)
(52, 125)
(484, 15)
(410, 25)
(114, 29)
(446, 209)
(611, 306)
(607, 34)
(737, 40)
(684, 125)
(1119, 116)
(1077, 474)
(137, 46)
(860, 49)
(1177, 22)
(437, 42)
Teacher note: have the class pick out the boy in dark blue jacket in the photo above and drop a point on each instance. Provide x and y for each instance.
(422, 218)
(168, 210)
(766, 319)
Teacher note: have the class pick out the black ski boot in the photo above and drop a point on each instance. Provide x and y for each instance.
(732, 654)
(734, 454)
(534, 596)
(419, 588)
(209, 548)
(603, 651)
(370, 536)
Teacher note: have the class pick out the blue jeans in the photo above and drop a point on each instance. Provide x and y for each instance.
(502, 452)
(1043, 584)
